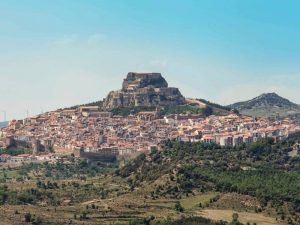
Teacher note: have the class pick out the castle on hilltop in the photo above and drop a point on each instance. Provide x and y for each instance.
(144, 89)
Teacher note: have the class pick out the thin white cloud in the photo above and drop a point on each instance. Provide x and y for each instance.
(65, 40)
(159, 63)
(95, 39)
(75, 39)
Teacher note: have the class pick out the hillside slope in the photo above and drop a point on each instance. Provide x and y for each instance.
(268, 104)
(187, 169)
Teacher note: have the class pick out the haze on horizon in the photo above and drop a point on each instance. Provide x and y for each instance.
(57, 53)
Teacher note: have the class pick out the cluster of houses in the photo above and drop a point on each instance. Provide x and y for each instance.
(235, 130)
(88, 129)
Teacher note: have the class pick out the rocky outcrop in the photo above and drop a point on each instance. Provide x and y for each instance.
(144, 89)
(135, 81)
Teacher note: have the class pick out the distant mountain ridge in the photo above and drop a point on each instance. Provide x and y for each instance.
(267, 104)
(3, 124)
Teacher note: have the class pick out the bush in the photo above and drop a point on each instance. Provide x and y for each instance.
(27, 217)
(178, 207)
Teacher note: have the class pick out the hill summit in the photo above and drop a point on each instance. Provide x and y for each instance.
(144, 89)
(267, 104)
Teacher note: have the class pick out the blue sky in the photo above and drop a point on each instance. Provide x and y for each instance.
(56, 53)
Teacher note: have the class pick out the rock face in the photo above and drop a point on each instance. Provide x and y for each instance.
(144, 89)
(135, 81)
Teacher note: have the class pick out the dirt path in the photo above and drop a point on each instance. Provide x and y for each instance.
(96, 201)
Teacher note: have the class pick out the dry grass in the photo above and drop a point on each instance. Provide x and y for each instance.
(244, 217)
(122, 204)
(194, 201)
(122, 208)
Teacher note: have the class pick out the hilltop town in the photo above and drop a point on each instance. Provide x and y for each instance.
(149, 112)
(94, 132)
(146, 150)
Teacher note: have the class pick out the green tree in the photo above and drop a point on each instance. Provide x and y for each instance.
(235, 219)
(179, 207)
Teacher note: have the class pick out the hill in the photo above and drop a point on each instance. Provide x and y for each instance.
(146, 92)
(216, 108)
(180, 185)
(268, 104)
(246, 178)
(3, 124)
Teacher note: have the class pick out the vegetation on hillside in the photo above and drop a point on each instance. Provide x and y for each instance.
(125, 111)
(46, 189)
(215, 105)
(166, 110)
(263, 170)
(14, 151)
(183, 221)
(182, 179)
(267, 105)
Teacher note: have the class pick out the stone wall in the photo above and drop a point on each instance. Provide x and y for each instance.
(144, 89)
(141, 80)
